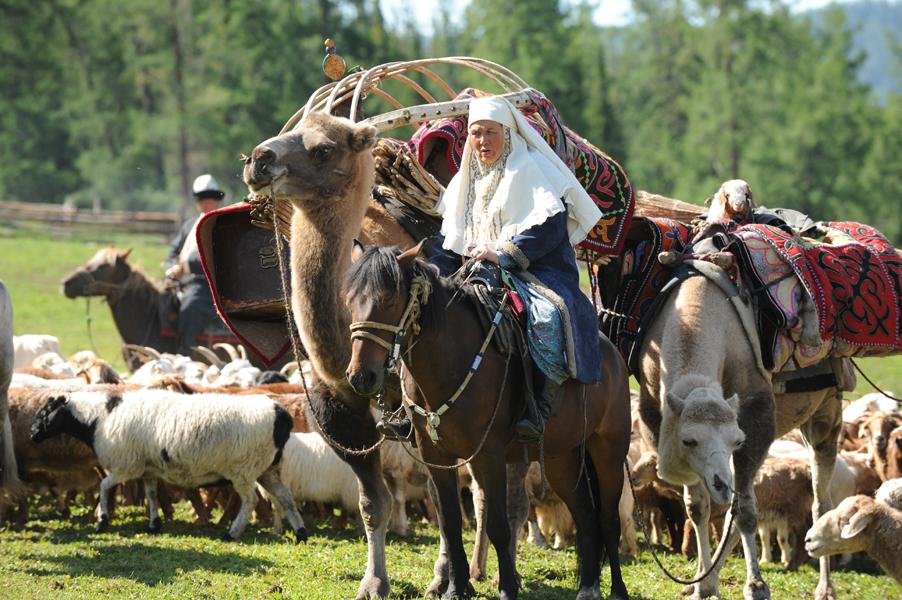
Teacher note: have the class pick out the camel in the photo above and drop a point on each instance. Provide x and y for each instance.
(325, 169)
(711, 412)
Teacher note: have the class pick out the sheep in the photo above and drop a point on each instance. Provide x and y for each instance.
(866, 478)
(313, 472)
(784, 495)
(890, 493)
(186, 440)
(406, 480)
(860, 524)
(28, 347)
(54, 362)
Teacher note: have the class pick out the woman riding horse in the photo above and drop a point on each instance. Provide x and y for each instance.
(515, 204)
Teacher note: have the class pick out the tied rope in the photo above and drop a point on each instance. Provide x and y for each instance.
(718, 554)
(874, 385)
(296, 349)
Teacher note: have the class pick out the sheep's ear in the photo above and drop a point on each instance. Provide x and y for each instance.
(733, 401)
(856, 525)
(362, 137)
(357, 250)
(675, 403)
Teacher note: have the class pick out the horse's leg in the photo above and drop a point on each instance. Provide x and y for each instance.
(698, 507)
(490, 472)
(565, 475)
(821, 432)
(481, 546)
(608, 462)
(449, 517)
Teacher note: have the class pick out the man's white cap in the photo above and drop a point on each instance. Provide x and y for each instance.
(205, 186)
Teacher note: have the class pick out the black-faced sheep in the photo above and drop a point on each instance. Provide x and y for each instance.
(186, 440)
(860, 524)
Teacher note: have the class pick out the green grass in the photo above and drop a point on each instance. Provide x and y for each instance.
(33, 265)
(59, 559)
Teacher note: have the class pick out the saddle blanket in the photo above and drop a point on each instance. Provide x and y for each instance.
(851, 274)
(604, 180)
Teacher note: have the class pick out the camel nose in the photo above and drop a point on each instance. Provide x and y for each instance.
(256, 167)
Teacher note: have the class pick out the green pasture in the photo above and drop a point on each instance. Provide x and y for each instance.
(58, 558)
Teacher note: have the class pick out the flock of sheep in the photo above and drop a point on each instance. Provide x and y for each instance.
(194, 424)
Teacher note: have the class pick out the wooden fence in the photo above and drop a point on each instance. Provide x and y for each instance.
(62, 218)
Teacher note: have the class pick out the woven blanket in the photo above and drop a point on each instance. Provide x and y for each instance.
(854, 277)
(641, 277)
(604, 180)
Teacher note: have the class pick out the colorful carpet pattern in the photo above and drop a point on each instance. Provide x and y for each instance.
(641, 277)
(601, 176)
(853, 275)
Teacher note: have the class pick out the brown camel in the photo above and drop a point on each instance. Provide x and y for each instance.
(325, 169)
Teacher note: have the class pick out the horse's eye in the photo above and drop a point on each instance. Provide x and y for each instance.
(689, 443)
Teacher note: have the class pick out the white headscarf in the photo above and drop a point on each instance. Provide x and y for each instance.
(534, 183)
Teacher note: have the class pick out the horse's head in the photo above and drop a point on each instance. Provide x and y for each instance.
(316, 161)
(100, 276)
(384, 291)
(699, 434)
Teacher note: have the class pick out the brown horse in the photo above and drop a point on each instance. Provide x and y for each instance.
(585, 442)
(133, 299)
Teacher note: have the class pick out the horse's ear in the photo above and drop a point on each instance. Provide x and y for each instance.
(124, 255)
(407, 257)
(357, 250)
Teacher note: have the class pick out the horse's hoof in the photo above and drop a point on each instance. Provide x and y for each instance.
(373, 587)
(590, 593)
(467, 591)
(756, 590)
(103, 524)
(300, 534)
(155, 526)
(437, 587)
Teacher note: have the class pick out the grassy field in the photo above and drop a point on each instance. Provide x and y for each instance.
(60, 559)
(57, 558)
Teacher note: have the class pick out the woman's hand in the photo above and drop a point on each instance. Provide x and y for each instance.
(483, 253)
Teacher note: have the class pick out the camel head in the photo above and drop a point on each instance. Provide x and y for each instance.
(316, 161)
(699, 433)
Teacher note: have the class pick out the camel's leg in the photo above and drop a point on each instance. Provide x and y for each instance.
(153, 504)
(821, 432)
(609, 463)
(375, 510)
(283, 503)
(698, 507)
(567, 479)
(489, 471)
(447, 490)
(481, 545)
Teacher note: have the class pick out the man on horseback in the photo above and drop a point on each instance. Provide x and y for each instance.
(514, 204)
(183, 264)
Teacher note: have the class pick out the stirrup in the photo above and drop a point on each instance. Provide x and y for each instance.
(399, 431)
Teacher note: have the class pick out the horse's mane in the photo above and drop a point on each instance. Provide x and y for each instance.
(377, 274)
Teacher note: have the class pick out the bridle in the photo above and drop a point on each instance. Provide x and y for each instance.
(420, 289)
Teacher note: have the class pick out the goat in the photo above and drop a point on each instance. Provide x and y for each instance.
(186, 440)
(877, 427)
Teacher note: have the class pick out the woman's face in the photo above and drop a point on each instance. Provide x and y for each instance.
(487, 138)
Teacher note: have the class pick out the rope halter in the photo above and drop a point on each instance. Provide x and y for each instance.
(420, 289)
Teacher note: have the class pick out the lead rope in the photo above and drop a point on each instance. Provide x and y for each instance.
(721, 548)
(873, 385)
(296, 349)
(88, 321)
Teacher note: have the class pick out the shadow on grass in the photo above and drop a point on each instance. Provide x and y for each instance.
(147, 564)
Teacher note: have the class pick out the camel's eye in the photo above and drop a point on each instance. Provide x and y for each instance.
(690, 443)
(322, 153)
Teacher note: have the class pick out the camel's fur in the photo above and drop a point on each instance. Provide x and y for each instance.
(699, 387)
(325, 169)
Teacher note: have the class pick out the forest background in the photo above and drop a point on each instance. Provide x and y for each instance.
(121, 104)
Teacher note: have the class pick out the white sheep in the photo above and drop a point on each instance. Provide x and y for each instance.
(860, 524)
(28, 347)
(55, 363)
(187, 440)
(313, 472)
